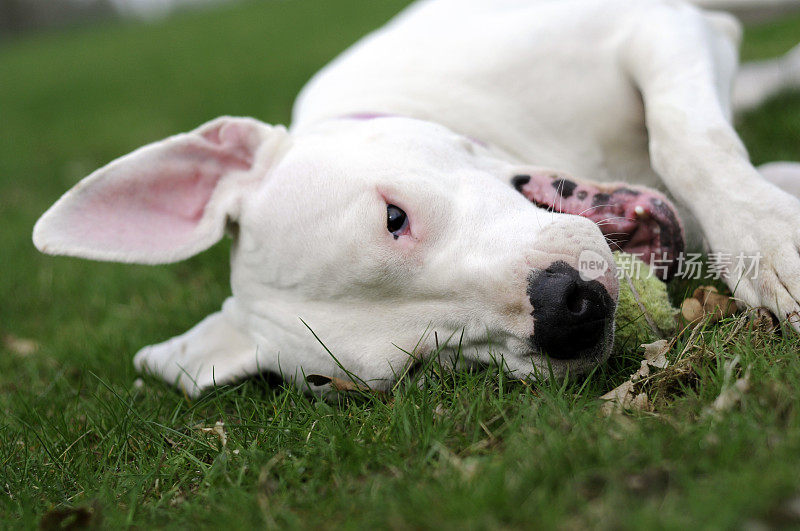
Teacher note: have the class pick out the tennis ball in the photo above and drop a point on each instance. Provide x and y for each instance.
(644, 313)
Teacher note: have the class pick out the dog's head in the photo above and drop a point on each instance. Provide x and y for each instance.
(364, 236)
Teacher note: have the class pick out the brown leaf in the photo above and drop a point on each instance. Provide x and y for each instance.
(702, 292)
(692, 310)
(719, 306)
(714, 304)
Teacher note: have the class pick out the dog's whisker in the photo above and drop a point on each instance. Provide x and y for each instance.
(612, 218)
(593, 207)
(615, 244)
(611, 222)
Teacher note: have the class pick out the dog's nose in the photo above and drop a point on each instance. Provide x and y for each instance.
(571, 315)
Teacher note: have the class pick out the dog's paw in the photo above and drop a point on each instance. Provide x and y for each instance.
(758, 254)
(776, 286)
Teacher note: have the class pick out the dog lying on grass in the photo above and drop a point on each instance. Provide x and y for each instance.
(443, 180)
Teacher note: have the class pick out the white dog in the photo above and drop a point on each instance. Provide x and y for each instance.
(392, 208)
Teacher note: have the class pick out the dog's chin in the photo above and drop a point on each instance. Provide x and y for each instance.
(581, 364)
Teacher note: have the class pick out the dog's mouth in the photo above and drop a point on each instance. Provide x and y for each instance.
(634, 219)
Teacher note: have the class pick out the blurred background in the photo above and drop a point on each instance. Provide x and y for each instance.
(26, 15)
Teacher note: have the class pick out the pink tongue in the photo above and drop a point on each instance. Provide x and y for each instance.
(635, 219)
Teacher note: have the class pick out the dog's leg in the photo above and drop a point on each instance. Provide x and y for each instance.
(683, 68)
(215, 351)
(761, 80)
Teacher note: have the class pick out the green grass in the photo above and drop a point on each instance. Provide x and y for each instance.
(466, 449)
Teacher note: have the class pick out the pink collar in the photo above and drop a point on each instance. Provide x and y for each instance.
(367, 116)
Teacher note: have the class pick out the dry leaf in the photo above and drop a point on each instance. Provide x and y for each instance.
(643, 372)
(731, 393)
(641, 402)
(621, 393)
(19, 345)
(625, 396)
(692, 310)
(707, 302)
(337, 384)
(439, 411)
(702, 292)
(715, 303)
(217, 429)
(466, 466)
(617, 399)
(655, 353)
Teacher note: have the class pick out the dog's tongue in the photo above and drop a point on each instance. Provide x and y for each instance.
(635, 219)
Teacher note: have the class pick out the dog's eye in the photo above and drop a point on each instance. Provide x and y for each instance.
(396, 221)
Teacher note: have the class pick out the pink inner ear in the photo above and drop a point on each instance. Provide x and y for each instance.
(150, 205)
(159, 206)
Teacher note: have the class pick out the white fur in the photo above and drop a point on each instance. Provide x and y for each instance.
(472, 90)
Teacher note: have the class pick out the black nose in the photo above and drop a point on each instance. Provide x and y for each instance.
(570, 315)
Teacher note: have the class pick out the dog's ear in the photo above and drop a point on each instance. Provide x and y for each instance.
(165, 201)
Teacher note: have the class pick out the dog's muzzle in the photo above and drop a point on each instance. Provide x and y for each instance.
(572, 317)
